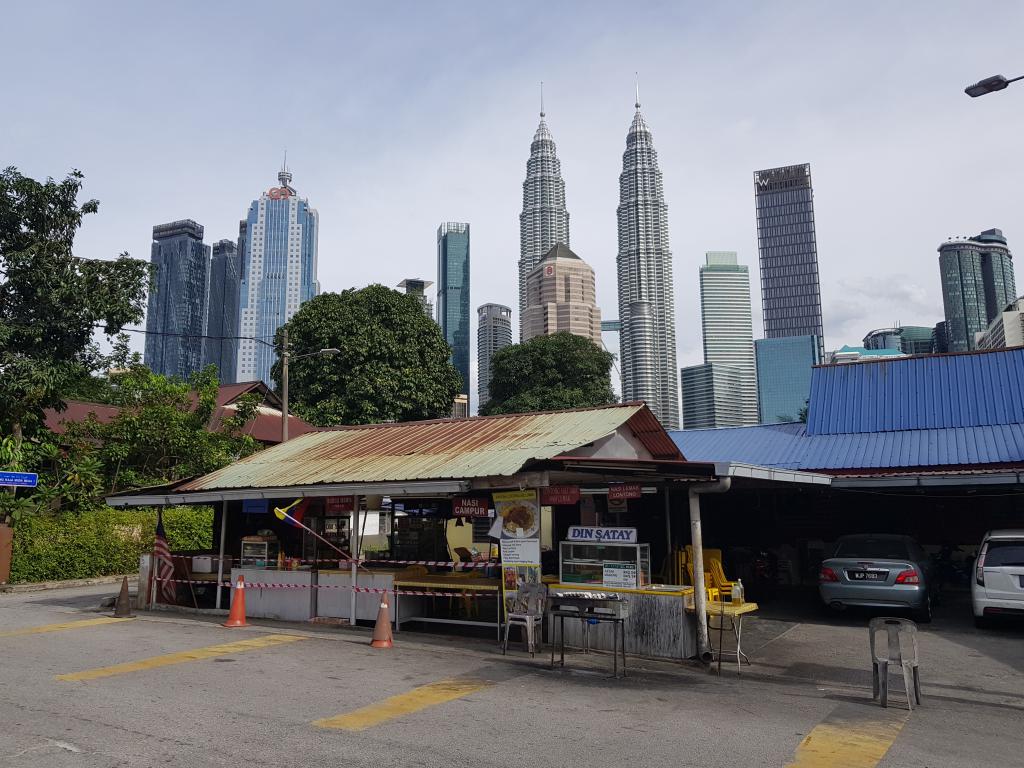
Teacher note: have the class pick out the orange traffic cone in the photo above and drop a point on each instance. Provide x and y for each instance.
(382, 629)
(236, 616)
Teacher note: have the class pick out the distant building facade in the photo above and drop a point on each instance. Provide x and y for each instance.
(710, 396)
(176, 309)
(414, 286)
(279, 265)
(221, 344)
(544, 221)
(849, 354)
(784, 376)
(977, 283)
(908, 339)
(460, 407)
(453, 294)
(1006, 330)
(647, 342)
(493, 333)
(561, 297)
(788, 249)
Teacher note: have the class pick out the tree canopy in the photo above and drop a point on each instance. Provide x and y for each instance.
(392, 365)
(548, 373)
(52, 302)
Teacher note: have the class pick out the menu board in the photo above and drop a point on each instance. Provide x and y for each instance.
(518, 526)
(619, 574)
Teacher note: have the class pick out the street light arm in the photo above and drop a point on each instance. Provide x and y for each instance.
(990, 85)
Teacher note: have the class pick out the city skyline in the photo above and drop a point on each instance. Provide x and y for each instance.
(424, 156)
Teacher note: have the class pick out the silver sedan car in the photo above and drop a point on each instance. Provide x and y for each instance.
(877, 571)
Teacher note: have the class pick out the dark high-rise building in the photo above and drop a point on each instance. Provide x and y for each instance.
(453, 293)
(176, 313)
(493, 333)
(790, 289)
(908, 339)
(977, 284)
(221, 347)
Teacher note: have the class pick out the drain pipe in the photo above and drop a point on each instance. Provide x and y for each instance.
(700, 598)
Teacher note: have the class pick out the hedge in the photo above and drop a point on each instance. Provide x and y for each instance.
(106, 541)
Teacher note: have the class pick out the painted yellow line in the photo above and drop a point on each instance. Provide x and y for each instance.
(403, 704)
(197, 654)
(61, 626)
(846, 740)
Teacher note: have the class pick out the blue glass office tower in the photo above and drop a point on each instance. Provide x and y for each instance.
(221, 347)
(176, 313)
(453, 294)
(784, 376)
(788, 249)
(279, 262)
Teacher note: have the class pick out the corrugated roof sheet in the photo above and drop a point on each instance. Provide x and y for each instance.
(426, 450)
(915, 393)
(789, 446)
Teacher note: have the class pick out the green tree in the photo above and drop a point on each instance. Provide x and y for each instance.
(51, 302)
(548, 373)
(392, 365)
(165, 430)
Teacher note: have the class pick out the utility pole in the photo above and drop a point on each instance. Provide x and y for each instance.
(284, 385)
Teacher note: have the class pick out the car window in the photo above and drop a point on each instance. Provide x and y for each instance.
(883, 549)
(1002, 553)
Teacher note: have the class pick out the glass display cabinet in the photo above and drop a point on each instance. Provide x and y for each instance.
(609, 565)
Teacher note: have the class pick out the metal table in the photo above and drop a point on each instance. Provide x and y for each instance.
(442, 583)
(590, 608)
(734, 612)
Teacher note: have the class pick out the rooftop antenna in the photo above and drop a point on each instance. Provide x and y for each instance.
(542, 99)
(284, 176)
(637, 105)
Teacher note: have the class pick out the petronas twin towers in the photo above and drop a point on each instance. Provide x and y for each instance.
(646, 306)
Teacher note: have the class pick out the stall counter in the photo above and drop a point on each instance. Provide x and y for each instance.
(657, 624)
(282, 604)
(337, 603)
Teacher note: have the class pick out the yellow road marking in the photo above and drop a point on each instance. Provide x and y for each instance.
(61, 626)
(846, 740)
(403, 704)
(197, 654)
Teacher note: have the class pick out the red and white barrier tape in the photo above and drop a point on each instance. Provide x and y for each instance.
(376, 590)
(458, 565)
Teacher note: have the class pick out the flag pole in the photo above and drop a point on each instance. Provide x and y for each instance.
(282, 514)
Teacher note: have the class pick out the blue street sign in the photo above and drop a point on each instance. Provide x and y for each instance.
(19, 479)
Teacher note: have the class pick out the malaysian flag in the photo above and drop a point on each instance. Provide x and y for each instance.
(167, 591)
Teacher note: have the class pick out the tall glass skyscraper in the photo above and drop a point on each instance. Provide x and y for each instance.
(493, 333)
(453, 293)
(646, 305)
(222, 310)
(279, 263)
(176, 313)
(784, 376)
(786, 240)
(544, 221)
(977, 284)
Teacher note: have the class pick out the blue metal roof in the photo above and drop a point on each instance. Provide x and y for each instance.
(788, 446)
(918, 393)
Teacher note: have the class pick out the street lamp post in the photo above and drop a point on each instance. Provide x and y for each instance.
(990, 85)
(285, 357)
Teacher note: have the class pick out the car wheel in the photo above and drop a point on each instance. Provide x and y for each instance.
(923, 615)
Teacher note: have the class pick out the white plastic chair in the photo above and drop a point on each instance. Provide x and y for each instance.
(896, 653)
(527, 612)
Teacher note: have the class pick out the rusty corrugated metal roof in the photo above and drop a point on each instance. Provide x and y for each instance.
(426, 450)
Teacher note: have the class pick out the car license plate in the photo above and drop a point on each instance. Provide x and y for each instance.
(866, 575)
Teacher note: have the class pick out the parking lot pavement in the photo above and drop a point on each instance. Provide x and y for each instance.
(168, 689)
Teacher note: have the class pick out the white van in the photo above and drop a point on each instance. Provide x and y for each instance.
(998, 586)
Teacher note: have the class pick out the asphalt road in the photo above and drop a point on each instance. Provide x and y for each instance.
(191, 693)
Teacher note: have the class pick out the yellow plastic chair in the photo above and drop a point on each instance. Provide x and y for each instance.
(710, 590)
(713, 561)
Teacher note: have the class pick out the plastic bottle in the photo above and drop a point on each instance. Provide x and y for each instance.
(737, 592)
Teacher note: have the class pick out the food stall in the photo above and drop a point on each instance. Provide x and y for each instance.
(606, 559)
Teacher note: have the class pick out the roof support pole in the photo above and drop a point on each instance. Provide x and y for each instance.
(700, 599)
(220, 554)
(354, 548)
(668, 529)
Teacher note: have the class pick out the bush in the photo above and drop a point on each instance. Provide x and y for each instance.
(100, 543)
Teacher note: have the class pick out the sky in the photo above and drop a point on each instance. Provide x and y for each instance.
(398, 116)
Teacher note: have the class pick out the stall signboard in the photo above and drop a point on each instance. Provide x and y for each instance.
(559, 494)
(624, 491)
(619, 574)
(255, 506)
(470, 506)
(517, 525)
(518, 515)
(336, 504)
(602, 534)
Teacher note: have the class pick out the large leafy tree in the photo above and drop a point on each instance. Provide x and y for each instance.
(548, 373)
(52, 302)
(392, 365)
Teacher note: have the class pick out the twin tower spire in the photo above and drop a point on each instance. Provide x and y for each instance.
(647, 341)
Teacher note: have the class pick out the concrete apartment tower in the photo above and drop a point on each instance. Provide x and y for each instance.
(646, 302)
(493, 333)
(723, 391)
(544, 221)
(560, 296)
